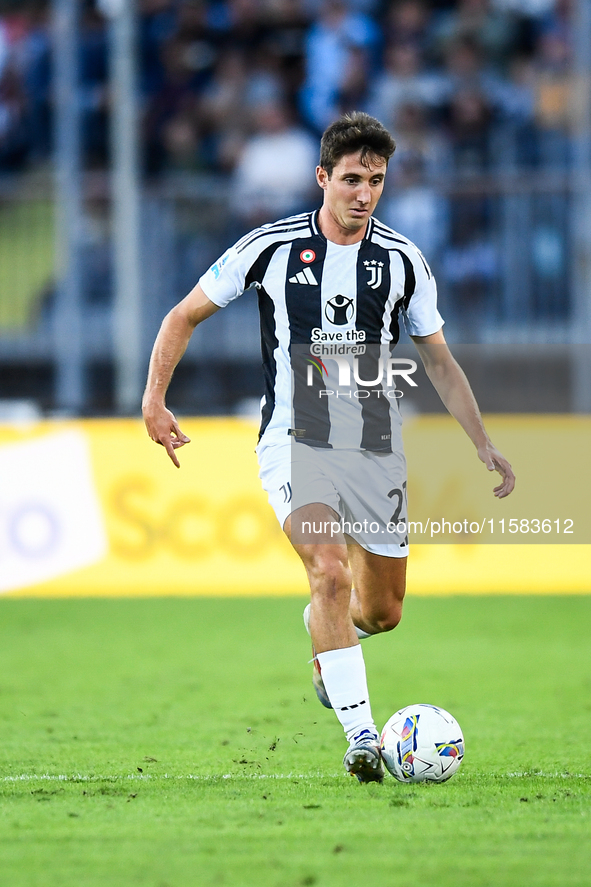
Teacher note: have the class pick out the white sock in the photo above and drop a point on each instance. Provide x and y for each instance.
(343, 673)
(358, 631)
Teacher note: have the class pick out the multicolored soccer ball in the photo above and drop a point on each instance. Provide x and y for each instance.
(422, 743)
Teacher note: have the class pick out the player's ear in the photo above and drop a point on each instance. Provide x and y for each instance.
(322, 177)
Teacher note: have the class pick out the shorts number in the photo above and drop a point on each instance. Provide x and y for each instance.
(399, 495)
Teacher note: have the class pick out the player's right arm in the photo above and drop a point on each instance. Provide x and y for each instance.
(170, 345)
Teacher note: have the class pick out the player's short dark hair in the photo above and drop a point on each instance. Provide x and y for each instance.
(355, 132)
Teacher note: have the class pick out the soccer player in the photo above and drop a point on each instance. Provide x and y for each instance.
(330, 448)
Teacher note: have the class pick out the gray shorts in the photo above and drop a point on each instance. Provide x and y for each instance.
(366, 490)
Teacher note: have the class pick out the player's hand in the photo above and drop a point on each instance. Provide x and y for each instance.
(495, 461)
(164, 429)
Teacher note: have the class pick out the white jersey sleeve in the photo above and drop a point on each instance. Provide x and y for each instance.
(421, 317)
(230, 275)
(225, 280)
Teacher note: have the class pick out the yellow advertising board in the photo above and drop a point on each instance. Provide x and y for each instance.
(96, 508)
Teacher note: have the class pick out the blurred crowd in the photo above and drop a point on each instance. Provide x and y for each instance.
(244, 87)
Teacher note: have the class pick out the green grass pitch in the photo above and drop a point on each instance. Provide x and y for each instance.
(194, 752)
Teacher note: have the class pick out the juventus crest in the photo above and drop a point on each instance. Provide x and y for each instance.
(375, 273)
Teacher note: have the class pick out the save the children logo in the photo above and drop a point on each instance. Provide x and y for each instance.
(339, 310)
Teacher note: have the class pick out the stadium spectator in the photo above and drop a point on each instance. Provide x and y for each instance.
(553, 81)
(222, 109)
(411, 202)
(14, 142)
(264, 84)
(184, 77)
(3, 46)
(24, 86)
(331, 42)
(157, 23)
(354, 89)
(205, 63)
(476, 21)
(468, 87)
(421, 142)
(415, 207)
(557, 18)
(34, 61)
(404, 81)
(275, 172)
(469, 120)
(182, 143)
(467, 68)
(242, 20)
(406, 23)
(94, 87)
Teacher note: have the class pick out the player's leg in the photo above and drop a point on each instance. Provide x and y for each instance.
(325, 560)
(340, 669)
(372, 487)
(379, 584)
(377, 594)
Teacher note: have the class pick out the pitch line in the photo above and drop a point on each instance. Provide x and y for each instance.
(156, 777)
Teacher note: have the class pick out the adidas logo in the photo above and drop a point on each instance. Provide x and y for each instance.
(304, 276)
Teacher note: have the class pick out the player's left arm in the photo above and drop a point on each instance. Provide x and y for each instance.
(452, 386)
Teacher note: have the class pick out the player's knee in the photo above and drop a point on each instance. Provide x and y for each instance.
(386, 619)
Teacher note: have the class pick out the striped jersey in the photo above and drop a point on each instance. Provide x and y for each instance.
(330, 316)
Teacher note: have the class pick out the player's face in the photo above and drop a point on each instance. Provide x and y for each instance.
(352, 191)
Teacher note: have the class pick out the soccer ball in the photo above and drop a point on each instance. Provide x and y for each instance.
(422, 743)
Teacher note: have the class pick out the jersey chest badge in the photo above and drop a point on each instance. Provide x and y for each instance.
(374, 269)
(339, 310)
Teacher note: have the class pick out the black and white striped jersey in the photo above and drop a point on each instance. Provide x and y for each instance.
(321, 303)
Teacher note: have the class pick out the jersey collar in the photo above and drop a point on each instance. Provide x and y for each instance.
(316, 227)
